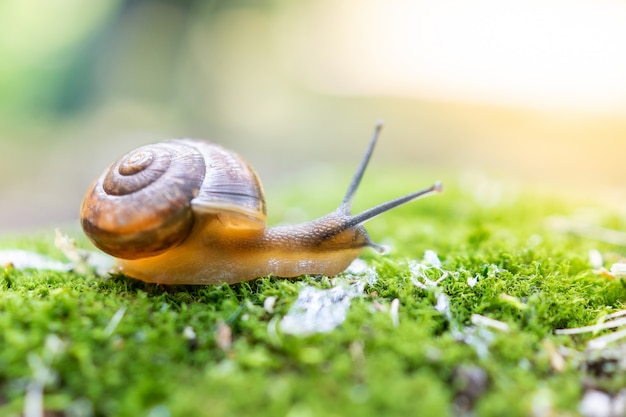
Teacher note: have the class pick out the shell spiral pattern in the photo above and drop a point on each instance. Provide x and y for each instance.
(141, 205)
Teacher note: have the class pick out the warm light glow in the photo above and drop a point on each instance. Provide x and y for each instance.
(556, 54)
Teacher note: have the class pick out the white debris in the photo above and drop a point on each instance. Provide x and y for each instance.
(493, 270)
(320, 311)
(358, 266)
(541, 403)
(618, 270)
(609, 321)
(100, 263)
(480, 336)
(481, 320)
(317, 311)
(393, 312)
(23, 259)
(67, 245)
(428, 274)
(557, 360)
(80, 260)
(420, 278)
(472, 281)
(268, 304)
(189, 333)
(431, 259)
(443, 304)
(593, 328)
(223, 336)
(115, 320)
(43, 374)
(619, 403)
(361, 271)
(620, 313)
(595, 259)
(477, 337)
(602, 341)
(595, 404)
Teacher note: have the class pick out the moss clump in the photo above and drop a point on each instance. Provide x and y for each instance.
(121, 347)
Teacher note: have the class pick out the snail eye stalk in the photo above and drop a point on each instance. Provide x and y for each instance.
(366, 215)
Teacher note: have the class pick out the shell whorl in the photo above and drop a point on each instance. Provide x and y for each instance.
(146, 202)
(138, 169)
(140, 206)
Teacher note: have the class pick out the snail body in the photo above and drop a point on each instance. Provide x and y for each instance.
(214, 254)
(192, 212)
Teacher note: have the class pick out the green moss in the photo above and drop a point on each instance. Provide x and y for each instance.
(124, 350)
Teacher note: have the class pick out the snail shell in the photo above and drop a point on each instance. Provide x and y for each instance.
(144, 203)
(192, 212)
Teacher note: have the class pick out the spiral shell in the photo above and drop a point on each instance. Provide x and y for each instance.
(148, 201)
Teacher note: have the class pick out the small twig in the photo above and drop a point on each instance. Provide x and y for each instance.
(115, 320)
(593, 328)
(393, 312)
(479, 319)
(602, 341)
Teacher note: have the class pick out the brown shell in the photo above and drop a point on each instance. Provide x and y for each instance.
(231, 185)
(146, 202)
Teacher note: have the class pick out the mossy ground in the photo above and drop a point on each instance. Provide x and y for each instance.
(529, 276)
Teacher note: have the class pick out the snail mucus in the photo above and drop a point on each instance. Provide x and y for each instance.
(186, 211)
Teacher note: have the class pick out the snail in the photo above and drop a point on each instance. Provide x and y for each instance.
(186, 211)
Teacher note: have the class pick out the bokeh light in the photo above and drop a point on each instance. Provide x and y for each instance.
(555, 55)
(532, 91)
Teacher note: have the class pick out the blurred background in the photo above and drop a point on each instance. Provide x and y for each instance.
(531, 91)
